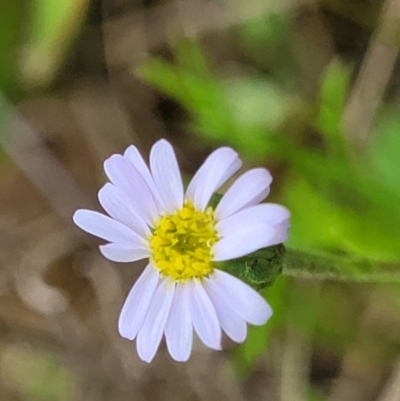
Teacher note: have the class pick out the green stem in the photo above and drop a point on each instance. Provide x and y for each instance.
(318, 267)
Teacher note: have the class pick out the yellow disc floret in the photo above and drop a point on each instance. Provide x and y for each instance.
(181, 243)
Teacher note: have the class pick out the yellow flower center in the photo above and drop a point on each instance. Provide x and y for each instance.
(181, 243)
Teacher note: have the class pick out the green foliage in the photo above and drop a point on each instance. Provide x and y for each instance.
(11, 19)
(384, 152)
(53, 25)
(34, 38)
(358, 214)
(243, 113)
(267, 31)
(39, 375)
(354, 215)
(331, 104)
(267, 40)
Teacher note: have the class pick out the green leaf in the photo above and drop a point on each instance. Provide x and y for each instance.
(384, 151)
(53, 26)
(332, 101)
(267, 30)
(11, 19)
(257, 109)
(243, 113)
(343, 215)
(38, 375)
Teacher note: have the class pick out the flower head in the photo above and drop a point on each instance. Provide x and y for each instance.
(150, 216)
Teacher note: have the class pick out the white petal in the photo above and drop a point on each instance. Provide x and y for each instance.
(215, 171)
(117, 205)
(123, 253)
(133, 155)
(232, 324)
(242, 241)
(249, 189)
(281, 233)
(250, 229)
(149, 336)
(126, 178)
(137, 303)
(266, 213)
(104, 227)
(179, 329)
(243, 299)
(273, 213)
(204, 318)
(166, 175)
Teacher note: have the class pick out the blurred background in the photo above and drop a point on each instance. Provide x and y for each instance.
(307, 88)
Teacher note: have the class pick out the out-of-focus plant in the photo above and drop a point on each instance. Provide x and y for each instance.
(358, 214)
(35, 37)
(53, 25)
(345, 207)
(223, 109)
(37, 375)
(11, 20)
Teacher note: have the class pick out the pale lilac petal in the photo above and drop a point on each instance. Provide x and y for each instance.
(281, 233)
(243, 299)
(117, 205)
(179, 329)
(166, 175)
(249, 189)
(250, 229)
(242, 241)
(137, 303)
(124, 253)
(275, 214)
(215, 171)
(204, 317)
(232, 324)
(149, 336)
(133, 155)
(267, 213)
(127, 179)
(104, 227)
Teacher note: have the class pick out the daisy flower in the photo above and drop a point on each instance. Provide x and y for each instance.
(152, 217)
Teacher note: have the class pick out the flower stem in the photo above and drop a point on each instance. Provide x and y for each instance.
(321, 267)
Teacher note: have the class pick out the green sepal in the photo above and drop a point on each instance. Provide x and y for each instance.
(259, 269)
